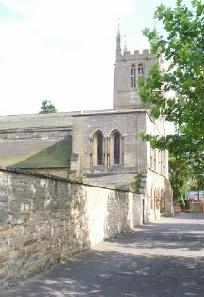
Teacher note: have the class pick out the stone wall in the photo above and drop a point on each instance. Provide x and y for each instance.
(128, 123)
(44, 220)
(59, 172)
(126, 96)
(197, 206)
(159, 194)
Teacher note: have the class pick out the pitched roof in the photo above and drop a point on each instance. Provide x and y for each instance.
(36, 153)
(59, 119)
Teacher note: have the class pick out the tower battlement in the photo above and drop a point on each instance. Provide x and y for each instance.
(128, 67)
(134, 56)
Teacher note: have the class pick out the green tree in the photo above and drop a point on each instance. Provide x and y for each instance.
(196, 184)
(182, 46)
(179, 177)
(47, 107)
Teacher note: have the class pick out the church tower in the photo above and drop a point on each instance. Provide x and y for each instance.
(128, 67)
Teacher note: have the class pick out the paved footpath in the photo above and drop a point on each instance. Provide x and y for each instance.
(159, 260)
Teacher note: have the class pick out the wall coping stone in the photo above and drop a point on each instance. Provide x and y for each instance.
(159, 174)
(56, 178)
(109, 112)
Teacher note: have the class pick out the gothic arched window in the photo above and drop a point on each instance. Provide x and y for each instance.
(116, 137)
(132, 76)
(99, 148)
(140, 69)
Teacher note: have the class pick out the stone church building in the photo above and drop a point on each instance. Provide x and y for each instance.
(104, 145)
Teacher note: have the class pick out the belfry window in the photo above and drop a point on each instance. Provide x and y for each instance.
(132, 76)
(140, 69)
(99, 148)
(116, 138)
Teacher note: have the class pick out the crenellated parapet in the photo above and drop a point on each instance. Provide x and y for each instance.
(136, 55)
(128, 68)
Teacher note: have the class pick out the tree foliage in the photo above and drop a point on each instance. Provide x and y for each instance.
(178, 176)
(196, 184)
(182, 46)
(47, 107)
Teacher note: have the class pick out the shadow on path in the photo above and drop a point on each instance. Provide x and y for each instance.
(159, 260)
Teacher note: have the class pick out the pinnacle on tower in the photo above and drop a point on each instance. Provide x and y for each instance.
(118, 46)
(125, 44)
(118, 32)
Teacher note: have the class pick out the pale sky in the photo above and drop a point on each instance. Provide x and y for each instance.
(64, 50)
